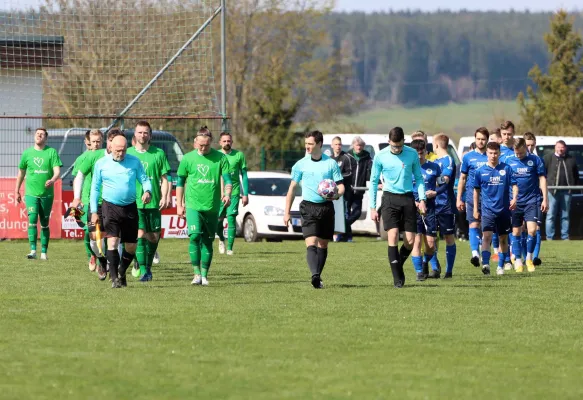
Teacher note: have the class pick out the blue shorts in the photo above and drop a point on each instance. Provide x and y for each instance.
(526, 212)
(427, 225)
(470, 212)
(501, 223)
(446, 223)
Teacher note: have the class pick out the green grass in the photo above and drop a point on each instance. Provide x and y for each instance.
(260, 331)
(457, 119)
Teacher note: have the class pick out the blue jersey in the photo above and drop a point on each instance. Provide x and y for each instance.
(445, 200)
(118, 180)
(470, 163)
(398, 171)
(430, 171)
(505, 153)
(495, 187)
(526, 172)
(310, 173)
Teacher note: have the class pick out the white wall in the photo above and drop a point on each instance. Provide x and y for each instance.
(21, 93)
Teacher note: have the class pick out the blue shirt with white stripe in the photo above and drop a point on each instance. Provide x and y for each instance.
(118, 181)
(398, 171)
(470, 163)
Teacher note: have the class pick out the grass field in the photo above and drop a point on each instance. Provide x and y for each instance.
(454, 119)
(260, 331)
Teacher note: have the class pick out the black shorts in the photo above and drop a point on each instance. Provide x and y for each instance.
(121, 221)
(399, 211)
(91, 225)
(317, 219)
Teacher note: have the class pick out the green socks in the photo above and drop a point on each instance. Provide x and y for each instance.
(194, 252)
(45, 235)
(32, 233)
(231, 230)
(87, 241)
(141, 255)
(220, 231)
(206, 255)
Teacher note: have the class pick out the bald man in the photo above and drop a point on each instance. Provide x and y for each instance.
(117, 175)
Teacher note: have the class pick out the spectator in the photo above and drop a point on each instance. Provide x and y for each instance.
(561, 171)
(346, 165)
(360, 175)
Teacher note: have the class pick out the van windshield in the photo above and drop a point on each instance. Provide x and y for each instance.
(575, 150)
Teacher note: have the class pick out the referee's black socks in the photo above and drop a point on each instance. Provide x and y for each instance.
(322, 255)
(403, 255)
(113, 261)
(126, 260)
(313, 259)
(395, 263)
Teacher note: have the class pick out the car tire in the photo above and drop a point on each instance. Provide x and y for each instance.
(250, 229)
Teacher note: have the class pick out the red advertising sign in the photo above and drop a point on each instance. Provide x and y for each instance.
(13, 217)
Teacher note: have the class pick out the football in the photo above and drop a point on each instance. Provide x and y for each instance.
(327, 189)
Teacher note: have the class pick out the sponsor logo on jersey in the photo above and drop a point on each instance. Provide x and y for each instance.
(203, 169)
(502, 173)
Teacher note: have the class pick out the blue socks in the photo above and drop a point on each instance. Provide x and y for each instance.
(486, 257)
(432, 260)
(523, 244)
(450, 252)
(537, 245)
(495, 241)
(475, 237)
(501, 258)
(417, 263)
(517, 246)
(531, 244)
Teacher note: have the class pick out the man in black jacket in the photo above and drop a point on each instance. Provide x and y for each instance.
(362, 165)
(561, 171)
(347, 165)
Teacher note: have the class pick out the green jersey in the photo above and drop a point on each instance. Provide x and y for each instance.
(156, 165)
(237, 163)
(38, 166)
(84, 164)
(203, 179)
(86, 189)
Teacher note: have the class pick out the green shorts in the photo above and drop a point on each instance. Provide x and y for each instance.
(201, 222)
(232, 210)
(39, 205)
(149, 219)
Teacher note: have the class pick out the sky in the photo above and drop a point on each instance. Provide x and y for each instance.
(456, 5)
(424, 5)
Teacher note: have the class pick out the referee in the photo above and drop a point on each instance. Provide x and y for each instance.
(399, 165)
(118, 175)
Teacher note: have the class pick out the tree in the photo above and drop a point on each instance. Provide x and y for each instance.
(556, 106)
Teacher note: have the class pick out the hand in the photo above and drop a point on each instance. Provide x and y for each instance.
(461, 205)
(286, 219)
(49, 183)
(476, 215)
(180, 211)
(94, 218)
(422, 207)
(417, 204)
(430, 194)
(380, 186)
(76, 203)
(446, 180)
(245, 200)
(146, 197)
(374, 215)
(226, 200)
(163, 204)
(18, 197)
(544, 207)
(512, 204)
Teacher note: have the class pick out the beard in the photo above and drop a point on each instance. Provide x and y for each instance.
(227, 147)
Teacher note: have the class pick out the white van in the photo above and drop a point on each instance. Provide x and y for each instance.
(546, 145)
(464, 145)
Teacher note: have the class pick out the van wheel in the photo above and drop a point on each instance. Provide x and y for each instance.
(382, 233)
(250, 229)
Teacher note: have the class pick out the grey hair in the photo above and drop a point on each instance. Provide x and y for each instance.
(358, 139)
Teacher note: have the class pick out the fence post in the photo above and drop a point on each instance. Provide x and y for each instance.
(263, 160)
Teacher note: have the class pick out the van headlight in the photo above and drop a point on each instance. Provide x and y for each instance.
(273, 211)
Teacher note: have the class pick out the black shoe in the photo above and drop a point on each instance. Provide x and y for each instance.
(486, 270)
(448, 275)
(420, 277)
(434, 274)
(399, 284)
(438, 267)
(425, 270)
(316, 282)
(115, 284)
(537, 261)
(122, 281)
(475, 261)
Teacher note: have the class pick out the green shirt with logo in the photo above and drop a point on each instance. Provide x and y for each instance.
(237, 163)
(39, 165)
(156, 165)
(84, 164)
(203, 179)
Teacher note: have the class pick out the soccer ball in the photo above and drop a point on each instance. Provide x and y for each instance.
(327, 189)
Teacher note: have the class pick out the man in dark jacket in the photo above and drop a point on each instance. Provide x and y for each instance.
(347, 165)
(362, 165)
(561, 171)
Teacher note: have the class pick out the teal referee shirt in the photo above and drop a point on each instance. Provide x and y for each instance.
(398, 171)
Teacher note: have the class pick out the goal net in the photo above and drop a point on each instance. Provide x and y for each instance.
(95, 57)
